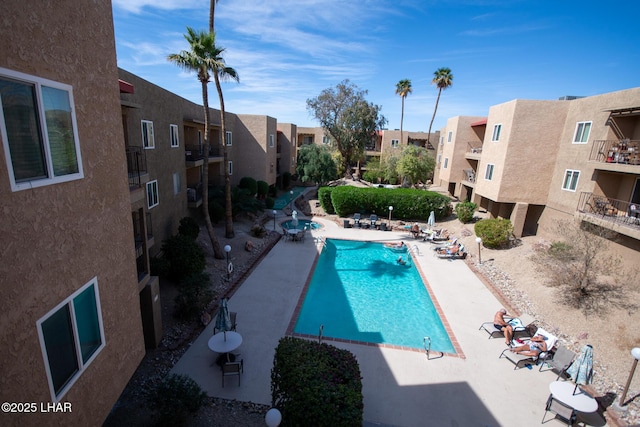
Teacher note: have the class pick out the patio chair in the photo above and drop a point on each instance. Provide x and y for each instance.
(520, 360)
(558, 361)
(356, 220)
(563, 412)
(521, 325)
(373, 221)
(232, 368)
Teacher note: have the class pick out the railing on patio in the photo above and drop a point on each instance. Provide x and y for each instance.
(196, 152)
(610, 210)
(136, 165)
(469, 175)
(194, 194)
(625, 151)
(474, 147)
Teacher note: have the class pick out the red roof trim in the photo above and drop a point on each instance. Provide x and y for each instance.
(479, 123)
(125, 87)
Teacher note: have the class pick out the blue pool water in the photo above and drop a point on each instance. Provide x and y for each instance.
(359, 292)
(286, 198)
(302, 223)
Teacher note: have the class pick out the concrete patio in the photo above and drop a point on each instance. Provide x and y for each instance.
(400, 388)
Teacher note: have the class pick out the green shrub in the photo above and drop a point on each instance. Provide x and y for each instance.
(373, 176)
(316, 384)
(194, 295)
(495, 233)
(184, 255)
(324, 196)
(159, 266)
(216, 210)
(248, 183)
(465, 211)
(269, 202)
(273, 191)
(175, 397)
(562, 251)
(286, 180)
(189, 227)
(263, 189)
(258, 231)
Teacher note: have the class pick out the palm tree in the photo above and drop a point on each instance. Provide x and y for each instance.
(443, 79)
(403, 88)
(212, 10)
(204, 56)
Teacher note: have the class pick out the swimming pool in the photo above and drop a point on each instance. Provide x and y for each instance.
(358, 292)
(287, 197)
(302, 223)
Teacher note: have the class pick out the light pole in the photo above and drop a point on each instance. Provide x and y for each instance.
(291, 199)
(274, 220)
(479, 242)
(273, 417)
(390, 210)
(227, 249)
(636, 356)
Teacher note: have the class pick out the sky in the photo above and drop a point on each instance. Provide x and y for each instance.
(288, 51)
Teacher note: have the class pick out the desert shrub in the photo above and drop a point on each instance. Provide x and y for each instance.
(324, 196)
(175, 397)
(263, 189)
(273, 191)
(465, 211)
(286, 180)
(372, 176)
(243, 201)
(184, 255)
(258, 230)
(216, 210)
(316, 384)
(249, 184)
(159, 266)
(495, 233)
(194, 295)
(269, 202)
(189, 227)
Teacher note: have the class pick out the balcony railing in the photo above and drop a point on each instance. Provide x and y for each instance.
(625, 151)
(469, 175)
(136, 165)
(194, 194)
(196, 152)
(610, 210)
(474, 147)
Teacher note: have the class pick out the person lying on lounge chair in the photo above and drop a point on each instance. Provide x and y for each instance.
(534, 347)
(500, 322)
(450, 250)
(415, 230)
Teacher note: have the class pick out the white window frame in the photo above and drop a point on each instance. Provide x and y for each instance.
(228, 138)
(446, 163)
(175, 136)
(153, 196)
(293, 161)
(449, 136)
(580, 136)
(230, 167)
(395, 143)
(272, 140)
(442, 140)
(488, 173)
(326, 139)
(148, 141)
(439, 158)
(51, 178)
(497, 130)
(177, 183)
(82, 365)
(570, 181)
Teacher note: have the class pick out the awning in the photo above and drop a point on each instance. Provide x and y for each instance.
(125, 87)
(479, 123)
(620, 112)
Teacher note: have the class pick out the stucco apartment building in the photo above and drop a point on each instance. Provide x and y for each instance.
(70, 324)
(539, 162)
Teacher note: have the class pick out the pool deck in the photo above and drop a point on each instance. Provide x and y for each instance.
(400, 387)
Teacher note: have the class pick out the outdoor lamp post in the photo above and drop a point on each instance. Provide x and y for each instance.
(291, 199)
(273, 417)
(479, 242)
(390, 210)
(227, 249)
(636, 356)
(274, 220)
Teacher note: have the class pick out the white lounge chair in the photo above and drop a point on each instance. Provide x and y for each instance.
(520, 360)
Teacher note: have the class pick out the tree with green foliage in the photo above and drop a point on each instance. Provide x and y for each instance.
(390, 168)
(465, 211)
(348, 118)
(443, 79)
(248, 183)
(416, 164)
(315, 164)
(403, 88)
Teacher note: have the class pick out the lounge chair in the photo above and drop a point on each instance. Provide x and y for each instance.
(520, 360)
(521, 325)
(558, 361)
(373, 221)
(356, 220)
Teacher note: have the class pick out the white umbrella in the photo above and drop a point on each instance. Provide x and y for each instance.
(432, 220)
(223, 321)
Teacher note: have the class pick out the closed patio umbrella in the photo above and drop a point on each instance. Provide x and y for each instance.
(581, 370)
(223, 321)
(432, 220)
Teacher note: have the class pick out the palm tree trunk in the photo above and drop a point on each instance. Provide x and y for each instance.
(217, 252)
(433, 117)
(228, 208)
(401, 120)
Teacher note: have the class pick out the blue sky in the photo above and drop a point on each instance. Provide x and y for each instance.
(287, 51)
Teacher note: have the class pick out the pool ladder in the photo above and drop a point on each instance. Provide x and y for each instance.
(320, 334)
(426, 342)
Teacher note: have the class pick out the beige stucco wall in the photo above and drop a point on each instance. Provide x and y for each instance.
(56, 238)
(454, 148)
(255, 157)
(288, 156)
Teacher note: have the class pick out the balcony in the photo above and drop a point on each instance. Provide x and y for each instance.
(194, 154)
(474, 150)
(194, 196)
(616, 155)
(617, 215)
(469, 177)
(136, 166)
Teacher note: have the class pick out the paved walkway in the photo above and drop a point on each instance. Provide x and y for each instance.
(400, 388)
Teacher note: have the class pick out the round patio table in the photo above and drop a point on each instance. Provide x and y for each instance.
(225, 342)
(581, 401)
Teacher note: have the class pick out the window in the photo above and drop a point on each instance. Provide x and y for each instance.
(230, 167)
(307, 140)
(570, 180)
(442, 140)
(39, 131)
(325, 139)
(174, 135)
(488, 175)
(439, 158)
(449, 136)
(152, 194)
(200, 138)
(446, 162)
(582, 133)
(395, 143)
(229, 138)
(271, 140)
(496, 132)
(177, 184)
(71, 336)
(147, 134)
